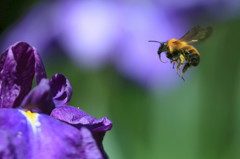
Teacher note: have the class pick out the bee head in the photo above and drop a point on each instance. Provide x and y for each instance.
(162, 48)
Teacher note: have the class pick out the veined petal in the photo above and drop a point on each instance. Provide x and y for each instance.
(18, 65)
(90, 146)
(17, 72)
(39, 99)
(77, 116)
(36, 136)
(61, 89)
(14, 140)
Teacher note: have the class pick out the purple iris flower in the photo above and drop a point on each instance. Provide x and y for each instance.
(39, 123)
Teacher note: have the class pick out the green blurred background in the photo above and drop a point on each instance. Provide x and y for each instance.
(196, 119)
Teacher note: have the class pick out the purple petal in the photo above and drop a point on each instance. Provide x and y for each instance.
(17, 72)
(13, 135)
(91, 149)
(39, 99)
(61, 89)
(43, 137)
(79, 118)
(66, 141)
(18, 65)
(76, 116)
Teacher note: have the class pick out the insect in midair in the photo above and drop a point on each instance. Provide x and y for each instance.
(180, 52)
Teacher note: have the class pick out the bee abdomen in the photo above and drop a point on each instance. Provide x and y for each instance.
(194, 59)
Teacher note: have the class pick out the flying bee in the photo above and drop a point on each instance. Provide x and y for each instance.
(180, 52)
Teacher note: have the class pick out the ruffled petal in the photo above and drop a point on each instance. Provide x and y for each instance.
(75, 116)
(18, 65)
(32, 135)
(39, 99)
(79, 118)
(17, 71)
(61, 89)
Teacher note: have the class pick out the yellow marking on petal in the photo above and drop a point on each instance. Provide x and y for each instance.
(31, 116)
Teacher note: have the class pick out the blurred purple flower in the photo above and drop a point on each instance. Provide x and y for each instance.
(30, 130)
(90, 30)
(94, 33)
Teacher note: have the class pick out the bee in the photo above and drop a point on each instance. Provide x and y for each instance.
(180, 52)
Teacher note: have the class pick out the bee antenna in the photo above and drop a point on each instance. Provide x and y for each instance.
(155, 41)
(160, 53)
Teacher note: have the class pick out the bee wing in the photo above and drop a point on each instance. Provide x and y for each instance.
(197, 34)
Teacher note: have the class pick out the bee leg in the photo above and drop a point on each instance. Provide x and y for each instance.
(178, 68)
(181, 62)
(186, 67)
(174, 61)
(173, 64)
(181, 75)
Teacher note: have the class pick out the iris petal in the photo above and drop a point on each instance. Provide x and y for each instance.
(91, 150)
(14, 140)
(18, 65)
(17, 72)
(76, 116)
(45, 138)
(61, 89)
(79, 118)
(39, 99)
